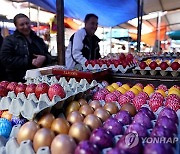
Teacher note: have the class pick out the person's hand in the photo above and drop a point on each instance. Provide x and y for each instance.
(38, 60)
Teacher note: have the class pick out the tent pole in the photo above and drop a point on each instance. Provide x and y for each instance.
(159, 30)
(29, 7)
(60, 31)
(110, 39)
(140, 14)
(38, 24)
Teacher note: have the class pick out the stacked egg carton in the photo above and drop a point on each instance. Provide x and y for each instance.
(119, 68)
(148, 70)
(29, 106)
(175, 140)
(11, 146)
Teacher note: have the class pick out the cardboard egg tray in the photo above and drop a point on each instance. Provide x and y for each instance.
(9, 146)
(120, 68)
(29, 106)
(177, 145)
(158, 70)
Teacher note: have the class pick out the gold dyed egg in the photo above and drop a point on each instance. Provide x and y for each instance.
(82, 101)
(86, 109)
(92, 121)
(63, 144)
(79, 131)
(46, 120)
(95, 104)
(60, 126)
(75, 116)
(129, 108)
(102, 114)
(6, 115)
(43, 137)
(111, 107)
(73, 106)
(27, 131)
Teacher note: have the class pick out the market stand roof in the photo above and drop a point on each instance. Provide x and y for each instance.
(117, 12)
(110, 12)
(170, 14)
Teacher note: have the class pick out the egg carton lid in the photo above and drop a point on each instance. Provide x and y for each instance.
(33, 73)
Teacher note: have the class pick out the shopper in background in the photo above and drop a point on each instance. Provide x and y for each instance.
(1, 39)
(23, 50)
(2, 68)
(83, 44)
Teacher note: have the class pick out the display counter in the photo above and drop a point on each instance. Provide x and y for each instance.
(145, 79)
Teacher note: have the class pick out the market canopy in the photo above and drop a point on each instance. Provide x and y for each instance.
(110, 12)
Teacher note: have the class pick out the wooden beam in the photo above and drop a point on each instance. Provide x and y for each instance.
(60, 31)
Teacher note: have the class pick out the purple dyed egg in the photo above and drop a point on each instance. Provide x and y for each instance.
(102, 138)
(142, 119)
(158, 148)
(124, 117)
(148, 112)
(169, 113)
(160, 131)
(117, 151)
(86, 147)
(166, 123)
(133, 147)
(137, 128)
(112, 125)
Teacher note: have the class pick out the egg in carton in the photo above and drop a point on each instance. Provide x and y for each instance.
(29, 106)
(122, 69)
(134, 71)
(175, 73)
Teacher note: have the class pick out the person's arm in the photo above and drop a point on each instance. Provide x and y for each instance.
(44, 58)
(9, 56)
(77, 47)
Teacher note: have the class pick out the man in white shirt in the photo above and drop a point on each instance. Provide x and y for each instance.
(83, 44)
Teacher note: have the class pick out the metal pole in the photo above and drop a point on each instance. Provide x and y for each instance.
(140, 14)
(60, 31)
(110, 39)
(38, 24)
(159, 30)
(29, 7)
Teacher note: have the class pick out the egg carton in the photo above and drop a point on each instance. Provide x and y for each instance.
(30, 106)
(34, 73)
(9, 146)
(119, 68)
(148, 70)
(177, 145)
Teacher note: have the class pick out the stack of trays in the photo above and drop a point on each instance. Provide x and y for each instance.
(148, 70)
(29, 106)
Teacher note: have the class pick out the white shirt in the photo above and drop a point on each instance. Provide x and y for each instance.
(76, 50)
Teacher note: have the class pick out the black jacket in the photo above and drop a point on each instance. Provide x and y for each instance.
(15, 55)
(3, 72)
(90, 48)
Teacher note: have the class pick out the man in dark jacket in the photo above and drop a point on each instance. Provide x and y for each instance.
(3, 72)
(23, 50)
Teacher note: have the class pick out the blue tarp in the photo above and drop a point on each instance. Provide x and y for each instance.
(110, 12)
(175, 35)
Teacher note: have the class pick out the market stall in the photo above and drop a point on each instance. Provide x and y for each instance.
(121, 103)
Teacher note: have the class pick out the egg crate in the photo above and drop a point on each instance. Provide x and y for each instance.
(30, 106)
(176, 148)
(119, 68)
(148, 70)
(10, 145)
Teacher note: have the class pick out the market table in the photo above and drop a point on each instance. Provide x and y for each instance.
(145, 79)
